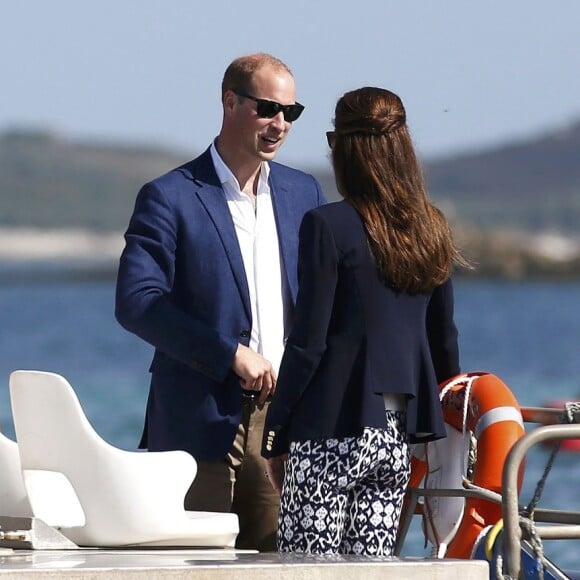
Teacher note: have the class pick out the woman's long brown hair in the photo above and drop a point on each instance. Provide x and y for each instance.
(377, 172)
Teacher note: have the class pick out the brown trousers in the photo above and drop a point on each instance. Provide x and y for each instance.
(238, 483)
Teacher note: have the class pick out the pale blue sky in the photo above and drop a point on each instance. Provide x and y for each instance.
(471, 74)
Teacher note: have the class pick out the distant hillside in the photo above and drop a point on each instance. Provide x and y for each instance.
(48, 181)
(533, 185)
(51, 182)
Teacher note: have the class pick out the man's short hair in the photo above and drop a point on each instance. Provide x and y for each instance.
(238, 75)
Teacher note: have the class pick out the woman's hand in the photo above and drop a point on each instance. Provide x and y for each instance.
(275, 469)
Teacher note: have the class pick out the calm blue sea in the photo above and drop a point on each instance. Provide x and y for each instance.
(528, 333)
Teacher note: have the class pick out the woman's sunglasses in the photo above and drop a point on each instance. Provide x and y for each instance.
(268, 109)
(331, 138)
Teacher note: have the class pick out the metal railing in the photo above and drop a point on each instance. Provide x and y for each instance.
(568, 521)
(414, 494)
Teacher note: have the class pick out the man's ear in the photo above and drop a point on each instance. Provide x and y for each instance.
(230, 99)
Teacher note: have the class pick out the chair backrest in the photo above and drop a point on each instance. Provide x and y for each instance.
(13, 498)
(74, 478)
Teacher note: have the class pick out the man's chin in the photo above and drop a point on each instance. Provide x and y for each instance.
(267, 149)
(267, 155)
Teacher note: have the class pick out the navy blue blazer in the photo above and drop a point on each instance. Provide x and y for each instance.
(354, 338)
(182, 287)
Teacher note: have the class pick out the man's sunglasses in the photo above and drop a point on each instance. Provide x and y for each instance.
(268, 109)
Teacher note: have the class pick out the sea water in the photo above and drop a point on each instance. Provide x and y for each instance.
(527, 333)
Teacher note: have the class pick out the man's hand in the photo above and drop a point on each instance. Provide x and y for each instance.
(275, 470)
(255, 372)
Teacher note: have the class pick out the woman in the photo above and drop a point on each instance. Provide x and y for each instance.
(373, 336)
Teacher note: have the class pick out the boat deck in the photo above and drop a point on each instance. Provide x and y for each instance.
(89, 564)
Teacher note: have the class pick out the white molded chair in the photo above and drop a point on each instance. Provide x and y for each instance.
(97, 494)
(13, 498)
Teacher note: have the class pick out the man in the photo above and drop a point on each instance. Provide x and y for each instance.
(208, 277)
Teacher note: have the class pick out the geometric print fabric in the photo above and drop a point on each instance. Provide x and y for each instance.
(345, 495)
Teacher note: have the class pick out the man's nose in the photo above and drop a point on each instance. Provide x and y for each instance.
(278, 121)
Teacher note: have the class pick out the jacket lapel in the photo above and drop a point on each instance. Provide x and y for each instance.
(211, 195)
(287, 226)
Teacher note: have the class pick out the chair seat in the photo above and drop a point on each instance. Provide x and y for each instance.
(205, 529)
(196, 530)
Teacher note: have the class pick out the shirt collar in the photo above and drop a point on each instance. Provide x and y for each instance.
(225, 174)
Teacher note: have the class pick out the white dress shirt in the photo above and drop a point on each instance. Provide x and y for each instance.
(258, 238)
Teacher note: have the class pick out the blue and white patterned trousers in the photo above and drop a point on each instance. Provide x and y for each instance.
(344, 496)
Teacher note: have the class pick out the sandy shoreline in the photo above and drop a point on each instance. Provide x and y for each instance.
(28, 244)
(25, 245)
(28, 253)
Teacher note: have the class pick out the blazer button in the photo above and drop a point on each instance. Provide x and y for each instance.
(245, 333)
(268, 447)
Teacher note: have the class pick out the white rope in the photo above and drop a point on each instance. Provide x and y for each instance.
(571, 409)
(467, 382)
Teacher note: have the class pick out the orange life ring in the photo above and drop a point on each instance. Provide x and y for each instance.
(494, 416)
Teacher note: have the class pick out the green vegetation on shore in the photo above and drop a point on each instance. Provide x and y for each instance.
(501, 202)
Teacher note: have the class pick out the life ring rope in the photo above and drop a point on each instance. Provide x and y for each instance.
(467, 382)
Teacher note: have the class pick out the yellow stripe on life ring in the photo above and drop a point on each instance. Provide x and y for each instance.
(491, 537)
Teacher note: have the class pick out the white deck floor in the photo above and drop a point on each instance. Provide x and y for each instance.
(88, 564)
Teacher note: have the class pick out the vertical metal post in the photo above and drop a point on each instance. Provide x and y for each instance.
(510, 507)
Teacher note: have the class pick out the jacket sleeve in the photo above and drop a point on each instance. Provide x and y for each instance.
(442, 332)
(317, 277)
(144, 283)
